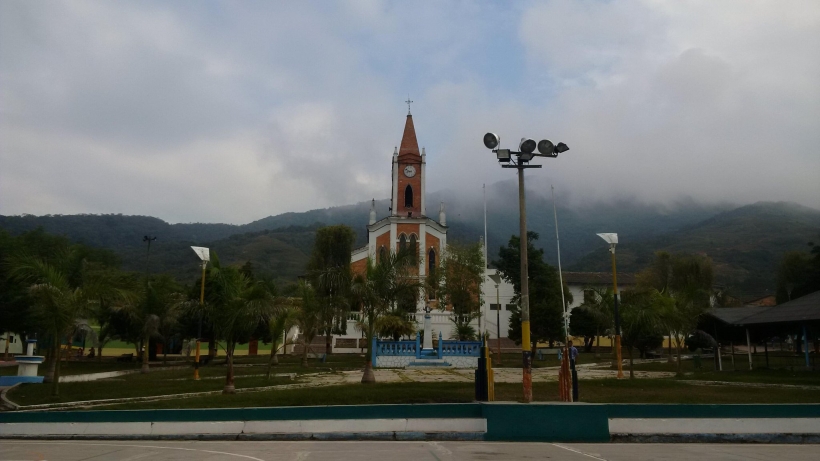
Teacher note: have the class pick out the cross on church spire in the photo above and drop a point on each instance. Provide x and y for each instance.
(408, 104)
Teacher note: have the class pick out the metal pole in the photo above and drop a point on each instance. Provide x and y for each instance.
(498, 323)
(484, 190)
(526, 346)
(199, 331)
(617, 315)
(749, 348)
(560, 276)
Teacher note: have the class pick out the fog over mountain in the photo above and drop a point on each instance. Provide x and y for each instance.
(746, 241)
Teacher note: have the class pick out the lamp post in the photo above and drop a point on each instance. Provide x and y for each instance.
(612, 239)
(520, 160)
(496, 278)
(205, 255)
(148, 239)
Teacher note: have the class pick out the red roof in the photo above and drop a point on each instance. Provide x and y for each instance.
(409, 143)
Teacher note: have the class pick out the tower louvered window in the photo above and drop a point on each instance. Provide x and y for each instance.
(408, 196)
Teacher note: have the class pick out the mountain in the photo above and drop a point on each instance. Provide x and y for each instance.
(746, 244)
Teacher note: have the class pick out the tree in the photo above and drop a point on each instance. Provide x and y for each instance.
(798, 274)
(687, 281)
(642, 321)
(307, 317)
(56, 303)
(583, 323)
(329, 268)
(598, 304)
(457, 283)
(237, 306)
(377, 290)
(157, 306)
(546, 311)
(283, 319)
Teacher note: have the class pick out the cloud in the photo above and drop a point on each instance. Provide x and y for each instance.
(211, 111)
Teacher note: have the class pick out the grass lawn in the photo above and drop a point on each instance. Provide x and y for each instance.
(760, 375)
(594, 391)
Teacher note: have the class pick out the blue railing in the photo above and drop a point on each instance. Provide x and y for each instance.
(396, 348)
(460, 348)
(412, 348)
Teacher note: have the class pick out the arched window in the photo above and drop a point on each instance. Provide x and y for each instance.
(408, 196)
(414, 248)
(382, 253)
(402, 242)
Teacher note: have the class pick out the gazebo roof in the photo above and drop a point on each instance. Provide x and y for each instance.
(806, 308)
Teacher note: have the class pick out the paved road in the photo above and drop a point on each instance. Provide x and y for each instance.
(390, 451)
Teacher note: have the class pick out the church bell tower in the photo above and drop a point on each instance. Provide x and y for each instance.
(408, 175)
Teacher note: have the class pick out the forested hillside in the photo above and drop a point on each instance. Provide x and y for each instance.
(745, 243)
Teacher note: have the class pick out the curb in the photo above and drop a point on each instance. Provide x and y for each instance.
(5, 400)
(767, 438)
(333, 436)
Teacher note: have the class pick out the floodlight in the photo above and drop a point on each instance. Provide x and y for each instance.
(491, 140)
(496, 278)
(561, 147)
(525, 156)
(545, 147)
(526, 146)
(503, 155)
(203, 253)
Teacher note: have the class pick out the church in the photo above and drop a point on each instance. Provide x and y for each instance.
(408, 224)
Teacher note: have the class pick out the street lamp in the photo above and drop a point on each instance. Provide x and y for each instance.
(148, 239)
(205, 255)
(496, 278)
(612, 240)
(520, 160)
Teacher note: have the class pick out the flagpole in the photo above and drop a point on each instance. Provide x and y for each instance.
(561, 280)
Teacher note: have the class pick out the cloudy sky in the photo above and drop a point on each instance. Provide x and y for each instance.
(233, 111)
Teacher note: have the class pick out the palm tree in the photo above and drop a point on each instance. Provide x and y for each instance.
(56, 304)
(280, 323)
(308, 317)
(687, 283)
(158, 302)
(237, 305)
(377, 292)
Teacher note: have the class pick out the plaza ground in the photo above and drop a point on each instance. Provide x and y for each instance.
(335, 381)
(395, 451)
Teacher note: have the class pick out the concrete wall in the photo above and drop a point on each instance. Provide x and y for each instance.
(549, 422)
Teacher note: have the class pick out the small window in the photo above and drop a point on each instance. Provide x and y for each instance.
(402, 242)
(511, 307)
(431, 261)
(494, 307)
(408, 196)
(382, 253)
(414, 248)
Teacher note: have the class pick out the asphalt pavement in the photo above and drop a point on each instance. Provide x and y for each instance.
(18, 450)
